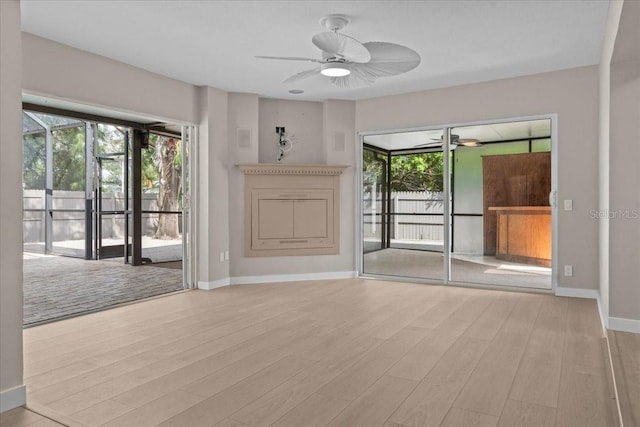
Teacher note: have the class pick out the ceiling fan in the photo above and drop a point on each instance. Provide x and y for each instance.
(349, 63)
(455, 141)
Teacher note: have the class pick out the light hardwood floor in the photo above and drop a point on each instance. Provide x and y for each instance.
(625, 355)
(339, 353)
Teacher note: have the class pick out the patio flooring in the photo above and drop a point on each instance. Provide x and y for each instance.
(57, 287)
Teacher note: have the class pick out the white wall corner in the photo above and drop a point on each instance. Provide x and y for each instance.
(332, 275)
(13, 398)
(215, 284)
(624, 325)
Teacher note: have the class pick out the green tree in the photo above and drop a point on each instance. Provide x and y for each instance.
(33, 158)
(417, 172)
(409, 172)
(161, 172)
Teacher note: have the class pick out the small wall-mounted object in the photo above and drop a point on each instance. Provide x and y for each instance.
(285, 144)
(291, 209)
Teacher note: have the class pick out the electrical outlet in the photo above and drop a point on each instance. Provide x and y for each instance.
(568, 270)
(226, 255)
(568, 205)
(221, 256)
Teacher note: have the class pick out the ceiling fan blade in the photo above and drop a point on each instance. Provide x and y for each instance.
(289, 58)
(389, 59)
(428, 144)
(454, 138)
(337, 44)
(353, 80)
(452, 146)
(302, 75)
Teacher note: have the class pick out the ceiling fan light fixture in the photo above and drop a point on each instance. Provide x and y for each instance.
(471, 143)
(334, 69)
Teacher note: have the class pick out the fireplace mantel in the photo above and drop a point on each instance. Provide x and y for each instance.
(291, 209)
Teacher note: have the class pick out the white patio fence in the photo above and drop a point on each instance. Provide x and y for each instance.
(406, 225)
(69, 224)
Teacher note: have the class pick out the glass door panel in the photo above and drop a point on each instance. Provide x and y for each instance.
(33, 184)
(67, 212)
(373, 193)
(112, 152)
(162, 199)
(403, 217)
(500, 218)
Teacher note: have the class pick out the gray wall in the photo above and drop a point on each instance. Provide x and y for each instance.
(624, 173)
(58, 71)
(11, 370)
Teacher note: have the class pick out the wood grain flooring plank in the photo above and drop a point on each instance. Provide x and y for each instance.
(463, 418)
(372, 366)
(156, 411)
(582, 317)
(523, 414)
(432, 398)
(19, 417)
(101, 413)
(375, 405)
(200, 368)
(274, 404)
(488, 386)
(220, 406)
(230, 423)
(584, 400)
(625, 355)
(416, 363)
(316, 411)
(537, 379)
(491, 320)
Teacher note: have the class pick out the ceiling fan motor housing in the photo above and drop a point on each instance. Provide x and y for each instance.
(334, 22)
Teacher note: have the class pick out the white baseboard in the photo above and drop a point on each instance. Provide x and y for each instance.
(207, 286)
(577, 293)
(13, 398)
(275, 278)
(330, 275)
(624, 325)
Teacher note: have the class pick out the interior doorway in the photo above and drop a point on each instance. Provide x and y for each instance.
(106, 215)
(463, 204)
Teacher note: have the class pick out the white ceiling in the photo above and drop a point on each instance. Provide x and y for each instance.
(214, 42)
(508, 131)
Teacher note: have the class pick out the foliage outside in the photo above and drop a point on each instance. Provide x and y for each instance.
(161, 166)
(409, 172)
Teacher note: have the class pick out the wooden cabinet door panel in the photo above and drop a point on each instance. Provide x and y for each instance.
(275, 219)
(310, 219)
